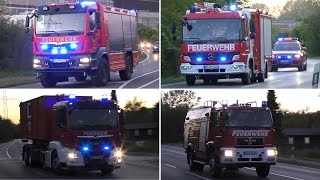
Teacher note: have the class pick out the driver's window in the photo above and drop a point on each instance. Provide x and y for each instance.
(92, 21)
(60, 117)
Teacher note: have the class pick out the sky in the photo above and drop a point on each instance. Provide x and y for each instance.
(291, 99)
(270, 2)
(15, 96)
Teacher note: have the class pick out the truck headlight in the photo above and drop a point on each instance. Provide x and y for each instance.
(297, 56)
(235, 57)
(72, 155)
(85, 60)
(271, 152)
(142, 45)
(118, 154)
(148, 45)
(186, 58)
(228, 153)
(36, 61)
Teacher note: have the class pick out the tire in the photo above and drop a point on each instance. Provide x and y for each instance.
(261, 77)
(245, 79)
(274, 68)
(55, 164)
(266, 72)
(192, 164)
(253, 79)
(26, 157)
(190, 79)
(263, 171)
(102, 76)
(80, 78)
(215, 170)
(300, 67)
(127, 73)
(47, 81)
(305, 67)
(106, 171)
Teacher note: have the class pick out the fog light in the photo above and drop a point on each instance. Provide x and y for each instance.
(36, 61)
(228, 153)
(119, 160)
(36, 66)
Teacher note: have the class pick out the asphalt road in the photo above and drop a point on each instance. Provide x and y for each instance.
(283, 79)
(174, 166)
(145, 75)
(134, 167)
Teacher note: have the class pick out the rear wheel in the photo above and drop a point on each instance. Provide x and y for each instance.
(300, 67)
(127, 73)
(190, 80)
(55, 164)
(47, 80)
(216, 171)
(274, 68)
(263, 171)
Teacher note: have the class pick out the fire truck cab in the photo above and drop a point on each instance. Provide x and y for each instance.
(230, 137)
(288, 52)
(224, 42)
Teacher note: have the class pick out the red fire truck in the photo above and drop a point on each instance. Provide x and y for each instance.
(83, 39)
(71, 133)
(225, 42)
(230, 137)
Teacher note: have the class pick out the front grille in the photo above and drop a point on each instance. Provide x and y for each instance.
(249, 141)
(214, 57)
(59, 65)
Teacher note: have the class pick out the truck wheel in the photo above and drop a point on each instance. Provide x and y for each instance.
(245, 79)
(305, 67)
(263, 171)
(215, 170)
(55, 164)
(47, 81)
(108, 170)
(300, 67)
(266, 72)
(192, 164)
(80, 78)
(190, 80)
(274, 68)
(127, 73)
(261, 77)
(102, 75)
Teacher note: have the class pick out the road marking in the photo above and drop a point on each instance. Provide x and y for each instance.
(173, 84)
(14, 141)
(148, 83)
(278, 174)
(315, 169)
(196, 175)
(10, 162)
(126, 83)
(173, 151)
(145, 59)
(170, 165)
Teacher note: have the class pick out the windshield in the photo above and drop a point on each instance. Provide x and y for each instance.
(286, 47)
(105, 118)
(61, 23)
(251, 118)
(218, 30)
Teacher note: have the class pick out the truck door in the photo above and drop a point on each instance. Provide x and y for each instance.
(203, 137)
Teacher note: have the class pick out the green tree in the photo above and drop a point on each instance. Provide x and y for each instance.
(147, 34)
(114, 95)
(274, 107)
(177, 98)
(135, 105)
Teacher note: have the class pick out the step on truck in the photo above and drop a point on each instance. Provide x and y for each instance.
(71, 133)
(83, 39)
(230, 137)
(225, 42)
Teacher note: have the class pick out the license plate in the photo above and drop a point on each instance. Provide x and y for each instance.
(284, 61)
(59, 60)
(211, 67)
(250, 153)
(96, 157)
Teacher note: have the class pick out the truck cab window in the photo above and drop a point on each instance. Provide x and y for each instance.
(60, 117)
(92, 21)
(218, 117)
(29, 110)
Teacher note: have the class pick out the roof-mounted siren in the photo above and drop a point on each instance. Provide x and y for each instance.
(233, 7)
(104, 98)
(192, 9)
(87, 3)
(264, 104)
(224, 103)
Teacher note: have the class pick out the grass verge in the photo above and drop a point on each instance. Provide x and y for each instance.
(15, 78)
(149, 146)
(172, 79)
(20, 73)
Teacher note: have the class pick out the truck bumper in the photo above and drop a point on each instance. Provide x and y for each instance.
(293, 63)
(235, 70)
(244, 157)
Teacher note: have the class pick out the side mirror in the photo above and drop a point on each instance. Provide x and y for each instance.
(189, 27)
(252, 26)
(304, 49)
(98, 24)
(174, 30)
(252, 35)
(27, 23)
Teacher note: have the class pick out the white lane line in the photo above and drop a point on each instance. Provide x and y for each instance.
(170, 165)
(173, 151)
(14, 141)
(118, 73)
(171, 84)
(126, 83)
(315, 169)
(277, 174)
(146, 58)
(148, 83)
(10, 162)
(196, 175)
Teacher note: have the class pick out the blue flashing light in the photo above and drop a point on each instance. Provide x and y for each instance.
(223, 58)
(87, 3)
(199, 59)
(192, 9)
(280, 39)
(54, 51)
(106, 148)
(72, 96)
(44, 46)
(73, 45)
(64, 51)
(85, 148)
(233, 7)
(132, 11)
(104, 98)
(289, 57)
(279, 57)
(264, 103)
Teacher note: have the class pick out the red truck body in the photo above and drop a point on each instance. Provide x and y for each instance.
(71, 132)
(83, 39)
